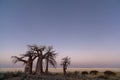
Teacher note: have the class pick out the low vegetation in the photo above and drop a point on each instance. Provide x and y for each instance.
(76, 75)
(94, 72)
(109, 73)
(84, 73)
(7, 75)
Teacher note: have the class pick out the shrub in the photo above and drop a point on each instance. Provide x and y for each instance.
(109, 73)
(94, 72)
(84, 73)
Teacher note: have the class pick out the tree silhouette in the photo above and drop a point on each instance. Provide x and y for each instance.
(31, 56)
(65, 63)
(39, 50)
(50, 56)
(28, 63)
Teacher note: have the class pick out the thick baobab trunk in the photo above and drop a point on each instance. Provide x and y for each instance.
(28, 67)
(39, 66)
(64, 71)
(31, 64)
(46, 70)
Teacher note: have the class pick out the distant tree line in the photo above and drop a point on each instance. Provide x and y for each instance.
(40, 53)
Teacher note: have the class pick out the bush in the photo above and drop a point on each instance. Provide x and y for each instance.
(109, 73)
(84, 73)
(94, 72)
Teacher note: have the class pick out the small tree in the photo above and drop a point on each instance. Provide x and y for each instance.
(65, 62)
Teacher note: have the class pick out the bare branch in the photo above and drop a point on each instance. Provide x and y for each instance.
(17, 59)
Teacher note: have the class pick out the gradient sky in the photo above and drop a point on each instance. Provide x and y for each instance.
(88, 31)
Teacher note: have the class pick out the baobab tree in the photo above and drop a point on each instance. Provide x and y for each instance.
(65, 62)
(28, 63)
(31, 57)
(39, 50)
(50, 56)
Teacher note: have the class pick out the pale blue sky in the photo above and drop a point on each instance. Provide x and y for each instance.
(86, 30)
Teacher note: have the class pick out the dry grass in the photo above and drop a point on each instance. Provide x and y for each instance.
(76, 75)
(54, 75)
